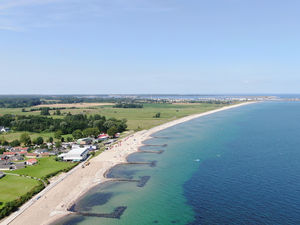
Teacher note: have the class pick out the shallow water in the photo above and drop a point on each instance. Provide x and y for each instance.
(238, 166)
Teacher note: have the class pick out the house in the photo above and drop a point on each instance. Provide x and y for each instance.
(17, 158)
(1, 174)
(53, 152)
(31, 162)
(6, 166)
(84, 141)
(45, 154)
(77, 154)
(21, 148)
(40, 151)
(7, 148)
(10, 154)
(103, 137)
(23, 153)
(4, 129)
(33, 155)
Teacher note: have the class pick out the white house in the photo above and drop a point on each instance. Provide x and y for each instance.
(77, 154)
(4, 129)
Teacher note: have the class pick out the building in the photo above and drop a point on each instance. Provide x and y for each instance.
(21, 148)
(77, 154)
(103, 137)
(1, 174)
(40, 151)
(45, 154)
(6, 166)
(4, 129)
(30, 162)
(85, 141)
(11, 154)
(33, 155)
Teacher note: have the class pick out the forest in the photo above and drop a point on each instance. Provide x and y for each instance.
(67, 125)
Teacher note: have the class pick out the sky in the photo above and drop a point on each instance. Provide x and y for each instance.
(149, 46)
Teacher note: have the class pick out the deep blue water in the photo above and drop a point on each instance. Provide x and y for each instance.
(256, 180)
(247, 173)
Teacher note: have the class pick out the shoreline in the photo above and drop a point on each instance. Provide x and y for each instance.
(54, 203)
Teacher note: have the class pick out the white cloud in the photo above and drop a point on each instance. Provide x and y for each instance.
(22, 13)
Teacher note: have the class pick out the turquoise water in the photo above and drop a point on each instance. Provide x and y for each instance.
(238, 166)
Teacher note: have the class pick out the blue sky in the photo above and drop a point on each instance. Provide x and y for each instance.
(149, 46)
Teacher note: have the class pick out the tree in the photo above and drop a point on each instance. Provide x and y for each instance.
(45, 111)
(15, 143)
(25, 138)
(157, 115)
(39, 140)
(112, 131)
(58, 134)
(95, 131)
(2, 150)
(70, 139)
(34, 141)
(5, 142)
(108, 124)
(23, 110)
(58, 144)
(77, 134)
(50, 139)
(58, 112)
(62, 139)
(86, 132)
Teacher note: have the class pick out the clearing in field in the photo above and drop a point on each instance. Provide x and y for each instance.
(74, 105)
(13, 186)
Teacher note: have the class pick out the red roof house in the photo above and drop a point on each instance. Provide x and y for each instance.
(31, 162)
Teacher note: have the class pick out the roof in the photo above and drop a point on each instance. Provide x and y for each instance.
(31, 160)
(32, 154)
(21, 148)
(76, 153)
(9, 153)
(46, 153)
(23, 152)
(103, 135)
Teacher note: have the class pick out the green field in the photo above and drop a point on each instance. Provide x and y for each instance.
(141, 118)
(13, 186)
(45, 166)
(10, 136)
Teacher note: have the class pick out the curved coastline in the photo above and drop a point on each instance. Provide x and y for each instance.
(55, 203)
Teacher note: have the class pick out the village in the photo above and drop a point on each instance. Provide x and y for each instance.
(15, 158)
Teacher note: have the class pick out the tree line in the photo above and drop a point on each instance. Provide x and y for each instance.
(18, 102)
(128, 105)
(66, 125)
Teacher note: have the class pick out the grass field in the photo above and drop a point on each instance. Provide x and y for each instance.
(16, 135)
(13, 186)
(45, 166)
(137, 118)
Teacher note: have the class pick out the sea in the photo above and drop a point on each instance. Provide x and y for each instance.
(237, 166)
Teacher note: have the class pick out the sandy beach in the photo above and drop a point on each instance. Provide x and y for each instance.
(65, 189)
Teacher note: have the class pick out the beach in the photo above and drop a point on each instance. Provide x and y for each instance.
(54, 204)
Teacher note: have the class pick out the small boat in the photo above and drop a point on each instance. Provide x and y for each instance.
(197, 160)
